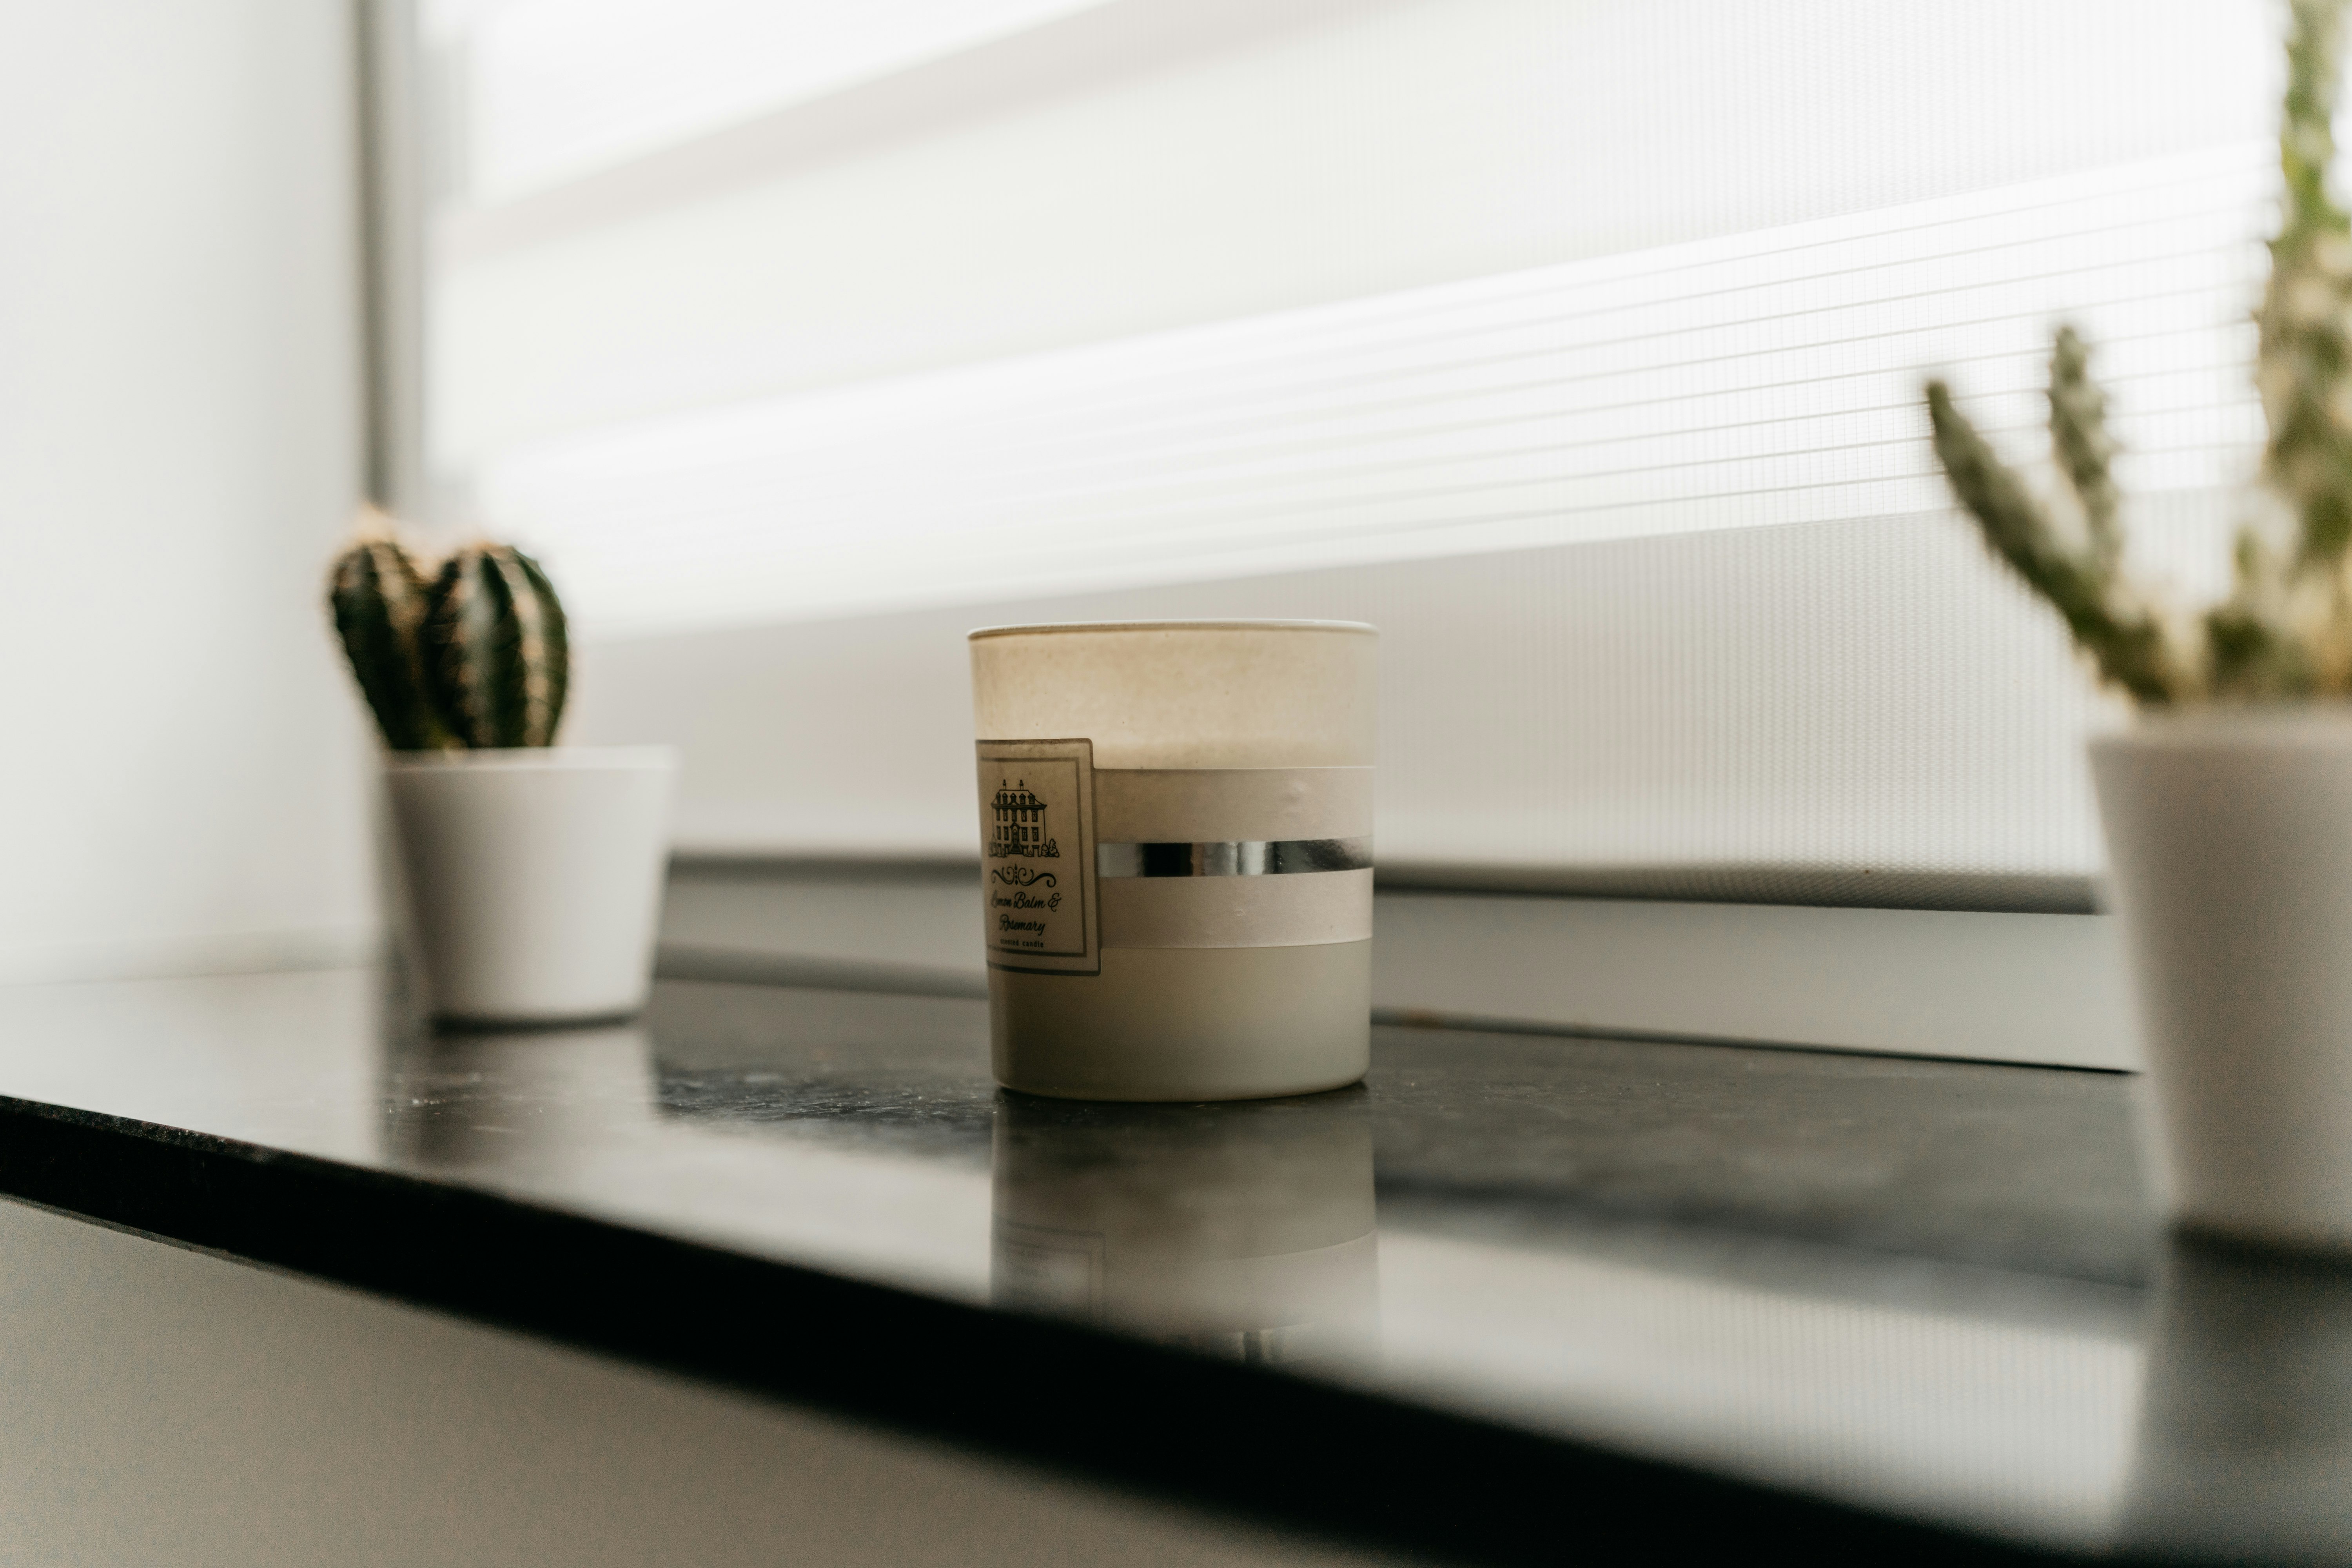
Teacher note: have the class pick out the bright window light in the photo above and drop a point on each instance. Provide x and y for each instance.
(1766, 379)
(551, 90)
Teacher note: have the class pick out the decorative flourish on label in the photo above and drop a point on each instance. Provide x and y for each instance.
(1022, 877)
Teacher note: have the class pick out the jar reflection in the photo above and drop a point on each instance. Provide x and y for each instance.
(515, 1101)
(1240, 1230)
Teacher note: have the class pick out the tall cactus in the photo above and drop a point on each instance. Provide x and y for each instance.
(2306, 354)
(477, 656)
(2082, 578)
(380, 601)
(2285, 629)
(496, 649)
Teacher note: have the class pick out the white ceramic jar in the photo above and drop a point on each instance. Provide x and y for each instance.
(1176, 821)
(534, 877)
(2229, 842)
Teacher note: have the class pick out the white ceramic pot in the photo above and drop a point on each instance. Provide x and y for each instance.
(534, 878)
(2229, 839)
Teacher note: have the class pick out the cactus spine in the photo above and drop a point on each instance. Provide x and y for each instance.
(477, 656)
(2285, 629)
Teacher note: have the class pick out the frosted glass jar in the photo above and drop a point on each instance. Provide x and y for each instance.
(1176, 852)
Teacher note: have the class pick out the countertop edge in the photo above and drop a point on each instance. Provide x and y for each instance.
(1331, 1461)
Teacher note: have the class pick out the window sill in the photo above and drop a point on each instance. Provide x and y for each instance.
(2045, 989)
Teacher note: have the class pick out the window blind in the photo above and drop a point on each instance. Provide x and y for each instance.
(1579, 344)
(1766, 379)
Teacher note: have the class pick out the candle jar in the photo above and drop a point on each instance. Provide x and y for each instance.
(1177, 856)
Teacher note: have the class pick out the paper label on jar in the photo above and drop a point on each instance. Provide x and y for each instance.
(1037, 856)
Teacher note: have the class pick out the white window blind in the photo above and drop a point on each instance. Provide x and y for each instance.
(761, 325)
(547, 90)
(1762, 380)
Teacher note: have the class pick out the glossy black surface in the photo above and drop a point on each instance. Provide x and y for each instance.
(1520, 1269)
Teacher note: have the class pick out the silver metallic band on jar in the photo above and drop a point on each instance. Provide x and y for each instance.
(1244, 857)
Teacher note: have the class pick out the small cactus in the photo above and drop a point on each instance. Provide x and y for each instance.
(380, 600)
(476, 657)
(2285, 629)
(495, 649)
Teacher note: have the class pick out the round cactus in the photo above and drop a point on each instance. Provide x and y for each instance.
(474, 658)
(495, 649)
(380, 600)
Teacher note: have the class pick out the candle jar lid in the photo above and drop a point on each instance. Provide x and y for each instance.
(1183, 694)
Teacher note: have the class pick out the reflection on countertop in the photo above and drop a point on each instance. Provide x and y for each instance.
(509, 1102)
(1933, 1288)
(1910, 1284)
(2245, 1447)
(1245, 1233)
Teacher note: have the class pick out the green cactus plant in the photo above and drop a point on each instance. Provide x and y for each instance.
(2285, 629)
(380, 601)
(496, 648)
(477, 656)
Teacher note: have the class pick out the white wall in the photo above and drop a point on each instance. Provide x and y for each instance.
(179, 448)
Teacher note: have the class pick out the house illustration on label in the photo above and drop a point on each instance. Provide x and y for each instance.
(1020, 830)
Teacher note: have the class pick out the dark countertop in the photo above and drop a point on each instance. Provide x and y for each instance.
(1515, 1296)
